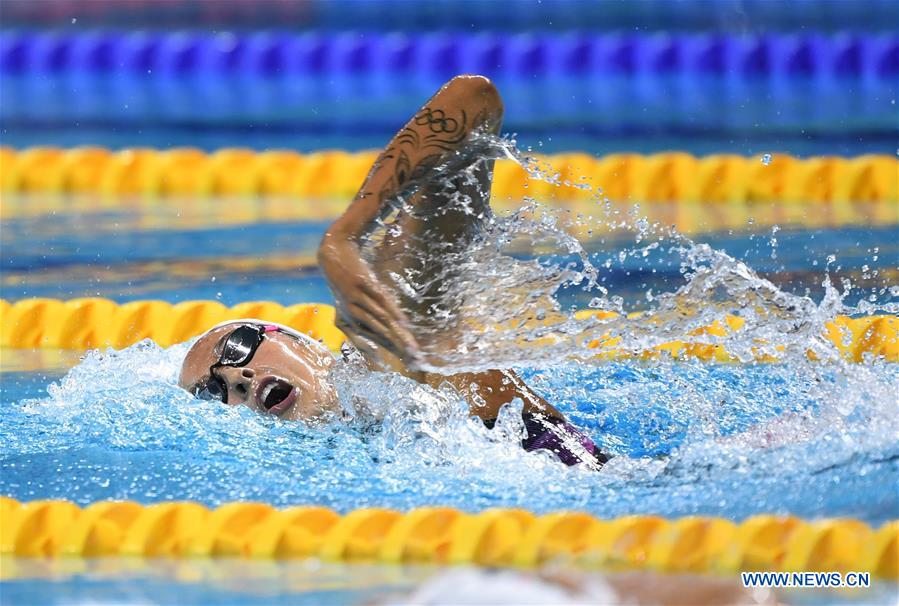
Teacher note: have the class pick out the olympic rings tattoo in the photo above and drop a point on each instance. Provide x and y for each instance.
(436, 121)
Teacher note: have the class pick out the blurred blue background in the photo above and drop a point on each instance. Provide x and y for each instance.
(805, 77)
(744, 76)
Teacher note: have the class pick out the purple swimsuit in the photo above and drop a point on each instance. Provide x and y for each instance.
(556, 435)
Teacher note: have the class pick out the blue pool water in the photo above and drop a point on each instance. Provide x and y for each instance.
(247, 582)
(215, 582)
(729, 440)
(173, 253)
(620, 114)
(812, 439)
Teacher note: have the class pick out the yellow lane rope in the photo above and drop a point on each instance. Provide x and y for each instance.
(88, 323)
(671, 176)
(442, 535)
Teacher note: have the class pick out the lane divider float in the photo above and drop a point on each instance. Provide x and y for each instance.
(443, 535)
(90, 323)
(665, 177)
(800, 56)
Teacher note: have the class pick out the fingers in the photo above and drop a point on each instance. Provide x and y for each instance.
(366, 325)
(382, 308)
(397, 331)
(362, 323)
(383, 317)
(388, 311)
(370, 309)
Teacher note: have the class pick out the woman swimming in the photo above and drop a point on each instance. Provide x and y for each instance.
(432, 178)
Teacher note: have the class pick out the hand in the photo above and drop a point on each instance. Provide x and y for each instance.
(365, 307)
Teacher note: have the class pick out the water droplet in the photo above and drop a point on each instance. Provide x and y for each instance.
(766, 159)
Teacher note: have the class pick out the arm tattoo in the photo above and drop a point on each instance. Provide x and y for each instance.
(445, 134)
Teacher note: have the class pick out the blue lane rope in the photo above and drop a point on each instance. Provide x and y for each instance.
(805, 55)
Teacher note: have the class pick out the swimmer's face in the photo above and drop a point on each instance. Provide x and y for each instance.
(286, 376)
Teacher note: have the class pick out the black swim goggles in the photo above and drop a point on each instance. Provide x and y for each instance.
(237, 351)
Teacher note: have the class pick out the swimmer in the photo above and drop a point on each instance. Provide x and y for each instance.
(275, 370)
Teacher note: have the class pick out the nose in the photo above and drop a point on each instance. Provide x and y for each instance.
(239, 382)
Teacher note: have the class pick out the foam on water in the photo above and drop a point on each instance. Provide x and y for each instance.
(689, 438)
(811, 438)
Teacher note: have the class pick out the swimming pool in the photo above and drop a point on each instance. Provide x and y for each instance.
(690, 438)
(721, 453)
(707, 326)
(783, 423)
(812, 439)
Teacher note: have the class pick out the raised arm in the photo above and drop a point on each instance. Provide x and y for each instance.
(434, 174)
(436, 139)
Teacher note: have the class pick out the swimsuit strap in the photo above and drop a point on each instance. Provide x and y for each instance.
(557, 436)
(561, 438)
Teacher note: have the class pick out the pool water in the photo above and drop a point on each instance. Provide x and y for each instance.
(239, 582)
(699, 114)
(181, 251)
(689, 438)
(216, 582)
(808, 438)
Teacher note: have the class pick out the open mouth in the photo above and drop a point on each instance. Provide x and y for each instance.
(276, 395)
